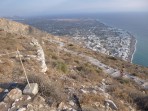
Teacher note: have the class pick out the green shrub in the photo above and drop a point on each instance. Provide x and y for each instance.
(54, 57)
(60, 66)
(112, 58)
(142, 102)
(134, 74)
(123, 81)
(70, 45)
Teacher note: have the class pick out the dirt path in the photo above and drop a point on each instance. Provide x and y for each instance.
(107, 69)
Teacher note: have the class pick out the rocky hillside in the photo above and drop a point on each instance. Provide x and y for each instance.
(63, 75)
(22, 29)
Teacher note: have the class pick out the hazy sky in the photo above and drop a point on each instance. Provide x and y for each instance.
(47, 7)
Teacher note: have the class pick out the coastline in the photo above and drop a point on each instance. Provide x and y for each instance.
(134, 50)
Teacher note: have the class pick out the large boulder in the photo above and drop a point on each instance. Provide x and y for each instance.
(22, 109)
(32, 89)
(13, 95)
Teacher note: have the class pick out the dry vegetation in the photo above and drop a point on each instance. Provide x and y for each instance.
(117, 63)
(69, 71)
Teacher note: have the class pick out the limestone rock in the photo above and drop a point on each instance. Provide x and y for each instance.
(24, 98)
(29, 106)
(62, 106)
(13, 95)
(71, 103)
(111, 104)
(28, 98)
(22, 109)
(39, 98)
(32, 90)
(40, 55)
(145, 86)
(84, 91)
(3, 106)
(6, 90)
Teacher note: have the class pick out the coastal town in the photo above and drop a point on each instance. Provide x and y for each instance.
(94, 34)
(116, 46)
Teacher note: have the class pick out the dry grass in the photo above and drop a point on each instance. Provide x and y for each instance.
(86, 72)
(142, 102)
(91, 98)
(52, 90)
(117, 63)
(76, 69)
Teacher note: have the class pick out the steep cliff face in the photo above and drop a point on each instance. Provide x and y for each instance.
(75, 78)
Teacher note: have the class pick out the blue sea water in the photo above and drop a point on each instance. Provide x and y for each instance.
(137, 25)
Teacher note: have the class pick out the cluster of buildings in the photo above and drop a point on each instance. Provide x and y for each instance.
(118, 45)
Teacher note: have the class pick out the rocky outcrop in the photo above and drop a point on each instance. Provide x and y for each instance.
(31, 89)
(27, 32)
(18, 28)
(14, 100)
(145, 86)
(13, 95)
(40, 55)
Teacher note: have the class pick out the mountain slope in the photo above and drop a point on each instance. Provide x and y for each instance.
(75, 77)
(22, 29)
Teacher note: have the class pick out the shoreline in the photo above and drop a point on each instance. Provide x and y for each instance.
(134, 50)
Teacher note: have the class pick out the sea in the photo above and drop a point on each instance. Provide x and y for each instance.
(134, 23)
(137, 25)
